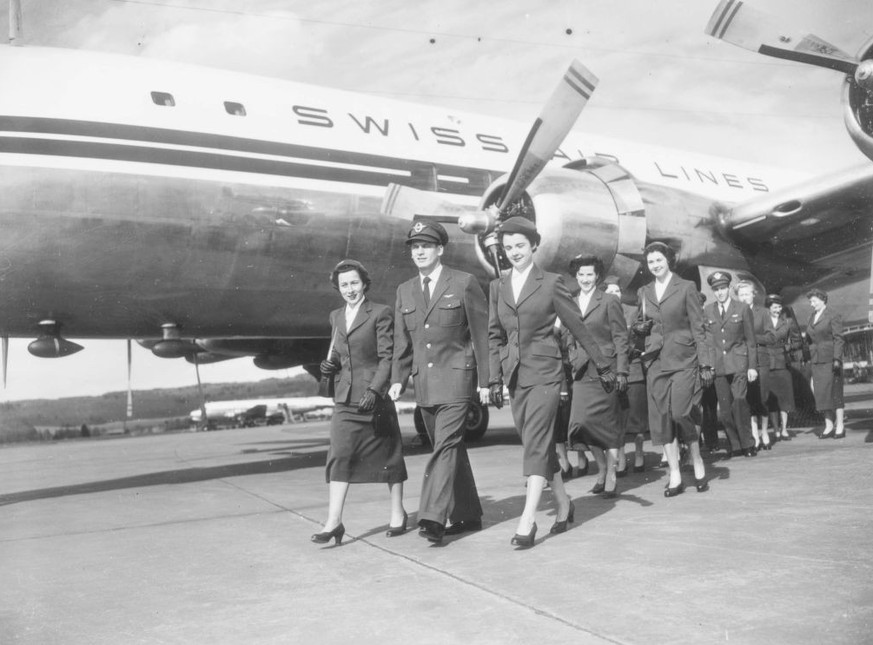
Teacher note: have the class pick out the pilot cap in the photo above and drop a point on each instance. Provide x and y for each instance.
(719, 279)
(520, 225)
(773, 299)
(432, 232)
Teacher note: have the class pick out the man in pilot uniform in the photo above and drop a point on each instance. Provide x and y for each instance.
(441, 339)
(732, 334)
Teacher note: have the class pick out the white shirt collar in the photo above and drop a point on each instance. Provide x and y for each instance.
(518, 278)
(434, 277)
(585, 300)
(351, 312)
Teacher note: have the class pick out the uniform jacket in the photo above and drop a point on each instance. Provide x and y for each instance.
(522, 337)
(604, 318)
(734, 344)
(780, 339)
(363, 353)
(678, 330)
(825, 337)
(444, 346)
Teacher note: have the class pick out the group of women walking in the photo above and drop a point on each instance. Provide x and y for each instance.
(625, 370)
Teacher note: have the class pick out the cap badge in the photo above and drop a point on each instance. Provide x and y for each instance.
(419, 227)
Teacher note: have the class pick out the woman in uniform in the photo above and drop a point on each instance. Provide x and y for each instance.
(595, 415)
(825, 334)
(759, 390)
(784, 336)
(525, 353)
(365, 443)
(671, 318)
(634, 408)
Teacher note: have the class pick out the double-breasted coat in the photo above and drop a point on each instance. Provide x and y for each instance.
(759, 391)
(780, 338)
(359, 450)
(826, 345)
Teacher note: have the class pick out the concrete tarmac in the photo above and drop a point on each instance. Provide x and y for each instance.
(204, 538)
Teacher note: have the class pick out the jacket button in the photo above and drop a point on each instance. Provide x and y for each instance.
(430, 364)
(428, 345)
(427, 326)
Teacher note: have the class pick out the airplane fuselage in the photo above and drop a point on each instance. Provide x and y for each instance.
(136, 193)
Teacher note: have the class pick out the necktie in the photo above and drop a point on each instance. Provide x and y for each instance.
(427, 292)
(722, 309)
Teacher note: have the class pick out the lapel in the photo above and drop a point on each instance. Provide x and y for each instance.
(650, 296)
(361, 317)
(534, 281)
(441, 286)
(594, 303)
(671, 288)
(505, 290)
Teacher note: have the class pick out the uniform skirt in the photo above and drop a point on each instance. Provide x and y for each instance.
(634, 413)
(781, 391)
(826, 387)
(595, 415)
(362, 451)
(534, 410)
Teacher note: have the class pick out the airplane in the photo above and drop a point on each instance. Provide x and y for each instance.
(289, 409)
(200, 211)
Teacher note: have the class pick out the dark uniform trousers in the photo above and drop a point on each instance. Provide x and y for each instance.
(443, 344)
(734, 352)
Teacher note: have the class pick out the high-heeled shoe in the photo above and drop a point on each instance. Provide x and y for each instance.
(827, 435)
(840, 435)
(766, 446)
(336, 533)
(701, 485)
(599, 488)
(676, 490)
(561, 525)
(525, 541)
(394, 531)
(622, 472)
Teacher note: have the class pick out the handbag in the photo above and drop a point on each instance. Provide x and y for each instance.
(325, 383)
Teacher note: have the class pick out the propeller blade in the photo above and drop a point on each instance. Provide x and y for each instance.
(744, 26)
(558, 116)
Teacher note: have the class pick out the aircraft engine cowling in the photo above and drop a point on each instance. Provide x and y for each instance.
(858, 104)
(589, 206)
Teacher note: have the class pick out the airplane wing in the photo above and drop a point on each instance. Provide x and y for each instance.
(826, 222)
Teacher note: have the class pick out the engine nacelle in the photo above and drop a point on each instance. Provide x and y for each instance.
(591, 206)
(858, 103)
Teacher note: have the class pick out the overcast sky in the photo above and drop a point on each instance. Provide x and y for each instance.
(662, 82)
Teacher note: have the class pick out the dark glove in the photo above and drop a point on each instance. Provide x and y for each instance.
(621, 383)
(328, 368)
(707, 378)
(496, 395)
(643, 327)
(607, 378)
(368, 401)
(838, 367)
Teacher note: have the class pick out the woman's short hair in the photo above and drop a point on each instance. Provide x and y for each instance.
(345, 266)
(817, 293)
(743, 284)
(518, 225)
(586, 261)
(664, 249)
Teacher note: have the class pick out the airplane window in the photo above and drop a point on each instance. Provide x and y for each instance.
(236, 109)
(164, 99)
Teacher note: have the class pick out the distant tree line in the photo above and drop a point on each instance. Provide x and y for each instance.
(19, 420)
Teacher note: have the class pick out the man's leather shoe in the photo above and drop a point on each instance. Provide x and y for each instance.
(432, 531)
(464, 525)
(750, 452)
(737, 453)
